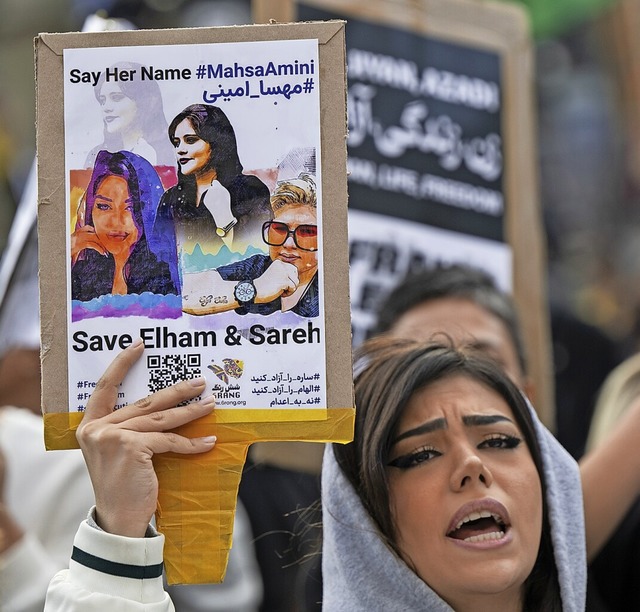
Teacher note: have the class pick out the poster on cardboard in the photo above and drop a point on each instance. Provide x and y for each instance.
(194, 207)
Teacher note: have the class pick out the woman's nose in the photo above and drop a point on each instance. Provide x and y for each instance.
(470, 470)
(120, 218)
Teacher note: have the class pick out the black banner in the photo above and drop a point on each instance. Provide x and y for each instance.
(425, 140)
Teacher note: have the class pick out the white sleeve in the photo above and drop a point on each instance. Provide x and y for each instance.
(25, 572)
(110, 572)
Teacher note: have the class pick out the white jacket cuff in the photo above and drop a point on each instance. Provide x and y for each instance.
(130, 568)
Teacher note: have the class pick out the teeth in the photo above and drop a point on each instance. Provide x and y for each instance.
(485, 537)
(474, 516)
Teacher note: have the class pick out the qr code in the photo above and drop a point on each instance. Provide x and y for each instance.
(166, 370)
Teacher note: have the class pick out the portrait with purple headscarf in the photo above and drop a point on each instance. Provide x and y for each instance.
(120, 246)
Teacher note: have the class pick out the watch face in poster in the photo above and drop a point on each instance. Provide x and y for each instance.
(194, 208)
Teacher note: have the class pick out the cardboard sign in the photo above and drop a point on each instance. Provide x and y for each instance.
(190, 195)
(441, 152)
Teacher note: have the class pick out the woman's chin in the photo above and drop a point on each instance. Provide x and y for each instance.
(119, 250)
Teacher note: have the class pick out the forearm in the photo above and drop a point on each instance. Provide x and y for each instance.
(207, 293)
(611, 480)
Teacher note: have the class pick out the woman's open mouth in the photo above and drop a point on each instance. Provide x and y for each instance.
(479, 527)
(480, 521)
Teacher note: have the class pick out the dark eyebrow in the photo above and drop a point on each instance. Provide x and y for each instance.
(427, 427)
(477, 420)
(129, 200)
(474, 420)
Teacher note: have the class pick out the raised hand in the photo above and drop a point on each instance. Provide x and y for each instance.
(279, 279)
(85, 237)
(118, 445)
(217, 199)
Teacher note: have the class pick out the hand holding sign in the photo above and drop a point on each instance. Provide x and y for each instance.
(118, 445)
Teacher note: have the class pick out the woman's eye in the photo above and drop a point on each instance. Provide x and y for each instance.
(191, 140)
(501, 441)
(102, 206)
(414, 458)
(117, 97)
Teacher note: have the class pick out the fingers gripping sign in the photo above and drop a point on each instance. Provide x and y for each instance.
(118, 446)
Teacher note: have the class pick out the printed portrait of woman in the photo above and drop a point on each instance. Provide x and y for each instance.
(284, 280)
(119, 247)
(133, 117)
(214, 203)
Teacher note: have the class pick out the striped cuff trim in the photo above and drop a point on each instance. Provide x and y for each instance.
(138, 572)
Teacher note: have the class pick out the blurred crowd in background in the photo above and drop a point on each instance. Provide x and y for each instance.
(587, 85)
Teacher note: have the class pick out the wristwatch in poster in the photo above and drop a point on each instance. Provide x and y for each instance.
(244, 292)
(223, 231)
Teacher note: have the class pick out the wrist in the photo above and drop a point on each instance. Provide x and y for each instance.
(245, 292)
(224, 228)
(121, 524)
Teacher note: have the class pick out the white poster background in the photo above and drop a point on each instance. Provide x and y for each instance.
(273, 116)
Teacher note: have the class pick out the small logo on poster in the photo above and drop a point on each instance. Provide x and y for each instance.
(231, 368)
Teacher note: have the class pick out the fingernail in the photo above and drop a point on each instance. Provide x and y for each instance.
(136, 342)
(209, 439)
(197, 382)
(208, 401)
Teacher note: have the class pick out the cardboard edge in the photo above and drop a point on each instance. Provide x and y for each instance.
(58, 42)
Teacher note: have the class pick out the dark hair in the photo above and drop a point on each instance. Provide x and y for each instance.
(145, 190)
(114, 164)
(213, 126)
(452, 281)
(146, 94)
(387, 373)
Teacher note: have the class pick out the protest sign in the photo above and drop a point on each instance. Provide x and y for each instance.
(190, 194)
(442, 156)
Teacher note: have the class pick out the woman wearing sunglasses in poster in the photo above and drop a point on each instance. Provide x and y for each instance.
(284, 280)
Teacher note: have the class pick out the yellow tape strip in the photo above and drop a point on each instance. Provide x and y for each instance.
(60, 429)
(196, 509)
